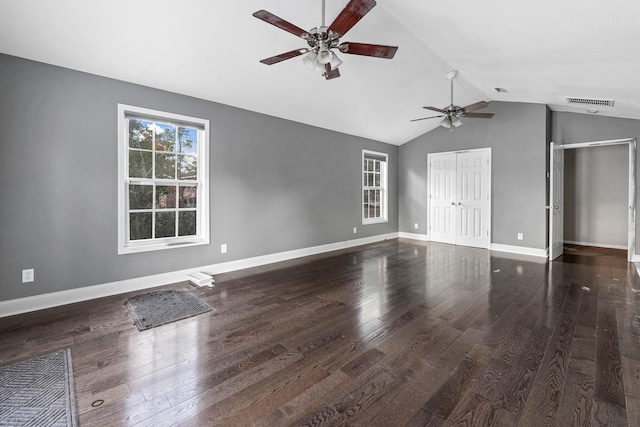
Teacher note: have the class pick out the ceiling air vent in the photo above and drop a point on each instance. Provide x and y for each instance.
(591, 101)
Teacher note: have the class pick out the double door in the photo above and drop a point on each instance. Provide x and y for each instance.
(459, 197)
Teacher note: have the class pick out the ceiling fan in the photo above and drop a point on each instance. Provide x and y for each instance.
(452, 113)
(324, 40)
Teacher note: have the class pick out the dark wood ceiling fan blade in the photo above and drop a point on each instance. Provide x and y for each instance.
(329, 73)
(439, 110)
(280, 23)
(480, 115)
(283, 56)
(476, 106)
(375, 50)
(425, 118)
(350, 15)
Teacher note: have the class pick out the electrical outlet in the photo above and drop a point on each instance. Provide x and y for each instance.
(355, 230)
(415, 225)
(520, 236)
(28, 275)
(223, 248)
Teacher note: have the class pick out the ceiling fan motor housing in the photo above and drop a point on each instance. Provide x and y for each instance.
(318, 36)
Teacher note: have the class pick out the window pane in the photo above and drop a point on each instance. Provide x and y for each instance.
(364, 166)
(187, 223)
(370, 165)
(366, 196)
(140, 226)
(140, 134)
(165, 197)
(366, 211)
(371, 179)
(187, 167)
(165, 224)
(165, 137)
(377, 180)
(140, 196)
(376, 212)
(165, 166)
(187, 140)
(377, 166)
(140, 164)
(188, 196)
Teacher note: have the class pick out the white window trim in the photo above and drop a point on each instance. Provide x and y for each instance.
(385, 189)
(202, 237)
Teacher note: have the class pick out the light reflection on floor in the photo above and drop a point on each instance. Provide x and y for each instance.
(170, 354)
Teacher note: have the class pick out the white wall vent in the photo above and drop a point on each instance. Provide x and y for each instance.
(591, 101)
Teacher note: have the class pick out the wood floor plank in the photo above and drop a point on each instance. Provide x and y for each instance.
(609, 386)
(576, 405)
(631, 372)
(543, 405)
(357, 398)
(449, 394)
(475, 410)
(518, 384)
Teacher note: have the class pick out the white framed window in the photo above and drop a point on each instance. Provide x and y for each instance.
(163, 175)
(374, 187)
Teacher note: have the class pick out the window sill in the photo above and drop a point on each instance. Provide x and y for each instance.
(375, 221)
(132, 249)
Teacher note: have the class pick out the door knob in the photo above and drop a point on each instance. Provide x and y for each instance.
(453, 203)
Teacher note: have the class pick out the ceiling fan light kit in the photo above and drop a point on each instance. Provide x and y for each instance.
(451, 114)
(323, 40)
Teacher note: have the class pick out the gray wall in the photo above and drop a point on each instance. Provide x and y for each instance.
(573, 128)
(596, 195)
(276, 185)
(518, 136)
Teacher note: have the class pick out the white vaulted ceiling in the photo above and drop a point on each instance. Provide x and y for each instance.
(541, 52)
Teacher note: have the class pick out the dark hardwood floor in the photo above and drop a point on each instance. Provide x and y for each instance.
(399, 333)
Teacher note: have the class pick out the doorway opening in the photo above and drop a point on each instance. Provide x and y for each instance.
(556, 194)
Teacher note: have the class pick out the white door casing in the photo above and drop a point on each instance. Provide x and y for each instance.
(459, 197)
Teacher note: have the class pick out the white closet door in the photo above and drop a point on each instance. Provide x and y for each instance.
(442, 189)
(459, 197)
(473, 199)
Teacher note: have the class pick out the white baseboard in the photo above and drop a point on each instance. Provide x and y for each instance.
(599, 245)
(55, 299)
(367, 240)
(521, 250)
(414, 236)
